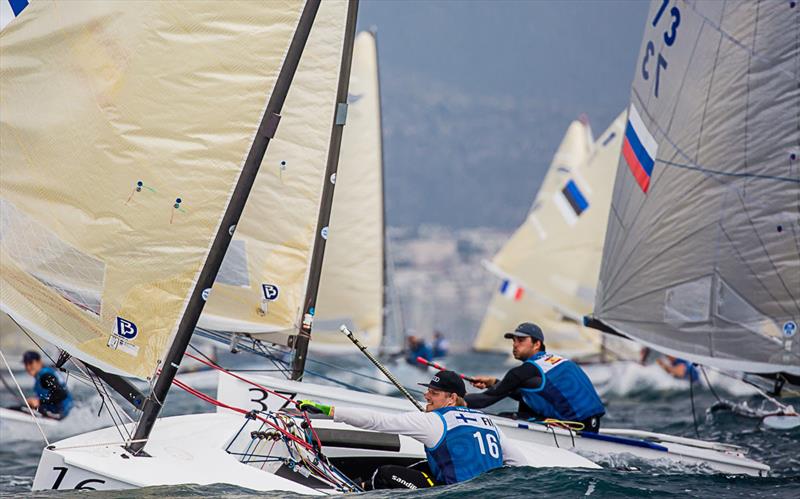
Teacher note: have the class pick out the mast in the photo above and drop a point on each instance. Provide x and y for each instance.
(374, 32)
(266, 130)
(300, 343)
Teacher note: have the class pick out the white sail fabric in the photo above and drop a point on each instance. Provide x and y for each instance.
(262, 282)
(123, 128)
(351, 284)
(518, 262)
(702, 255)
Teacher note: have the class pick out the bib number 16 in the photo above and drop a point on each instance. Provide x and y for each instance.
(491, 444)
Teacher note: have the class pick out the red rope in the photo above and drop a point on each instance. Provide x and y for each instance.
(240, 378)
(207, 398)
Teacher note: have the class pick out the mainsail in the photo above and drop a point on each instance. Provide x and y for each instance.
(123, 130)
(261, 286)
(702, 253)
(352, 282)
(519, 262)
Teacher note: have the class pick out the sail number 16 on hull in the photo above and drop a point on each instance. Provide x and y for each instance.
(655, 63)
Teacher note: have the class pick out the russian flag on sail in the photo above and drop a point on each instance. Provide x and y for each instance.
(511, 290)
(639, 149)
(571, 202)
(9, 9)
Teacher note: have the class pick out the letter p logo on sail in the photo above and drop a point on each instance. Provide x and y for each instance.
(639, 149)
(125, 329)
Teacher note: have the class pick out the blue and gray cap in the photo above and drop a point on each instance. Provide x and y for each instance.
(527, 329)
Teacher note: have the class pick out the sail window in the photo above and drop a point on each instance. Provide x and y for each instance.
(233, 271)
(688, 302)
(37, 250)
(734, 308)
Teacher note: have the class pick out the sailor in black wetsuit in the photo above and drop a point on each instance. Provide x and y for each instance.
(547, 386)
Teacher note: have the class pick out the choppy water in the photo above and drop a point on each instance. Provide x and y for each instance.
(635, 397)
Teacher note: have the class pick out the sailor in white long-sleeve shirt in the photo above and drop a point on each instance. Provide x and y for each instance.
(460, 443)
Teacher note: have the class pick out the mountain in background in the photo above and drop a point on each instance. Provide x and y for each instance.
(477, 95)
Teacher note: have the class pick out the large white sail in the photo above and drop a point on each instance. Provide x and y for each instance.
(124, 127)
(262, 283)
(351, 284)
(702, 255)
(516, 301)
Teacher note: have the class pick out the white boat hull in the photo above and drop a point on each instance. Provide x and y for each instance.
(610, 445)
(203, 449)
(19, 425)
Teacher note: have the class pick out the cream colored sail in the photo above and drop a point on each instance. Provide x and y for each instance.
(351, 285)
(563, 336)
(262, 282)
(556, 254)
(507, 310)
(554, 257)
(123, 128)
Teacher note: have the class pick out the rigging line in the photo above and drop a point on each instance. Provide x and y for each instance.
(207, 398)
(736, 42)
(108, 410)
(620, 281)
(758, 389)
(728, 174)
(24, 330)
(112, 405)
(107, 396)
(107, 399)
(710, 387)
(359, 373)
(755, 274)
(53, 361)
(8, 366)
(270, 355)
(694, 416)
(240, 378)
(8, 387)
(199, 352)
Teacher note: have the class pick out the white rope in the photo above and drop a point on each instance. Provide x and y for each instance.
(787, 408)
(14, 378)
(98, 444)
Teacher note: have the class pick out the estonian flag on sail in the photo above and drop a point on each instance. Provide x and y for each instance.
(9, 9)
(511, 290)
(571, 202)
(639, 149)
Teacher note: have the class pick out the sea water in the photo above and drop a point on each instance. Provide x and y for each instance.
(636, 398)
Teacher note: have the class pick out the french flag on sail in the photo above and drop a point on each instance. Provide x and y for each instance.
(571, 202)
(9, 9)
(511, 290)
(639, 149)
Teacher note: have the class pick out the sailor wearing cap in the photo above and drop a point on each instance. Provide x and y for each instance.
(52, 399)
(547, 386)
(460, 443)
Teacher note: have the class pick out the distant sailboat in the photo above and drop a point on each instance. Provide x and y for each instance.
(553, 259)
(352, 283)
(702, 255)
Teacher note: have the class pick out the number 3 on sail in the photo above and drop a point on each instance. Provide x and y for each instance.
(669, 36)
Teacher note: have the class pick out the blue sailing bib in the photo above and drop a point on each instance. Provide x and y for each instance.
(470, 445)
(566, 392)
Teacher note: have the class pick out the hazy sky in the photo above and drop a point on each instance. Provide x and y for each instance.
(482, 91)
(578, 52)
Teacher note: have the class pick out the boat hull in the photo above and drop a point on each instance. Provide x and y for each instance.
(609, 446)
(211, 448)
